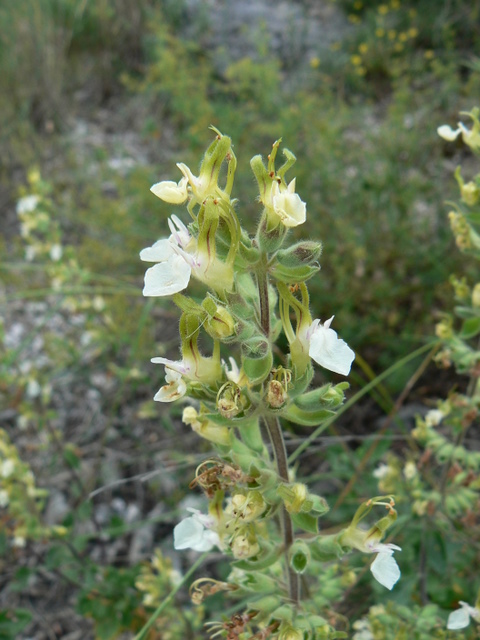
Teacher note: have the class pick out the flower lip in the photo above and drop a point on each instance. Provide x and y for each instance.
(195, 533)
(460, 618)
(385, 568)
(327, 349)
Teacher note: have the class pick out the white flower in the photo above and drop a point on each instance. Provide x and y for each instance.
(7, 467)
(170, 275)
(27, 204)
(175, 387)
(460, 618)
(447, 133)
(381, 471)
(171, 192)
(196, 533)
(469, 136)
(4, 498)
(327, 349)
(288, 206)
(434, 417)
(385, 568)
(56, 252)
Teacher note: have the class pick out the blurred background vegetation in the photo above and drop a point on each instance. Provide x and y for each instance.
(98, 100)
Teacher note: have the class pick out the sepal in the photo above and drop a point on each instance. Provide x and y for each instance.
(257, 360)
(290, 275)
(295, 414)
(299, 556)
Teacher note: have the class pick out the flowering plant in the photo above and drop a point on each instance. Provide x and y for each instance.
(255, 288)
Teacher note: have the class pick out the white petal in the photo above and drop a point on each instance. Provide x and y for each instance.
(290, 209)
(161, 251)
(188, 532)
(459, 619)
(168, 277)
(171, 192)
(329, 351)
(447, 133)
(171, 391)
(385, 570)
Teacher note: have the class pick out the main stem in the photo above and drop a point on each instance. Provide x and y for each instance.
(278, 445)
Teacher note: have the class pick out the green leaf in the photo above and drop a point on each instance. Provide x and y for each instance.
(470, 328)
(305, 521)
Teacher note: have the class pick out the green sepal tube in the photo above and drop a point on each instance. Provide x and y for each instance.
(318, 506)
(306, 418)
(305, 521)
(252, 436)
(291, 275)
(242, 455)
(299, 556)
(326, 396)
(300, 254)
(262, 176)
(258, 361)
(267, 556)
(300, 383)
(328, 547)
(265, 606)
(270, 239)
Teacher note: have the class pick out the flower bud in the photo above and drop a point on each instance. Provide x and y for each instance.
(294, 496)
(230, 400)
(302, 253)
(247, 507)
(290, 633)
(443, 329)
(276, 394)
(244, 544)
(206, 428)
(476, 295)
(221, 325)
(470, 193)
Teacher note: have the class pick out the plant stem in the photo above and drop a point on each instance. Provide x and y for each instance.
(262, 283)
(278, 444)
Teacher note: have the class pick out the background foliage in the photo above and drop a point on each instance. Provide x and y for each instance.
(98, 101)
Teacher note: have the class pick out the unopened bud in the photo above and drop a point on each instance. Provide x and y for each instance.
(293, 495)
(470, 193)
(476, 295)
(248, 507)
(245, 544)
(443, 329)
(230, 400)
(206, 428)
(290, 633)
(276, 394)
(221, 324)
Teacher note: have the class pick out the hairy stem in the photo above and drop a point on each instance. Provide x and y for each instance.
(262, 282)
(278, 444)
(280, 452)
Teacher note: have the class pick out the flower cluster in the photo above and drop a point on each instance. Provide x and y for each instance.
(253, 287)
